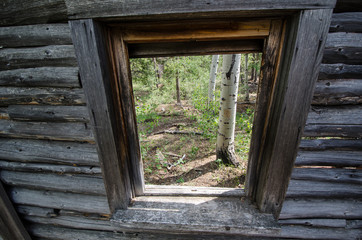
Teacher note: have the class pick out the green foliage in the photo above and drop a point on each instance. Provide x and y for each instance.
(242, 140)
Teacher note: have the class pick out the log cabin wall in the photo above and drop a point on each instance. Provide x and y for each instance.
(48, 159)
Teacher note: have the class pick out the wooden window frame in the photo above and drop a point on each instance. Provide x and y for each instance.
(293, 44)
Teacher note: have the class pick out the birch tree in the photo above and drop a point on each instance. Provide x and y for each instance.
(246, 80)
(229, 89)
(212, 81)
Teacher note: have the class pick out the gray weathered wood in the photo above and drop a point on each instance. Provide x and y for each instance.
(317, 189)
(95, 70)
(61, 183)
(328, 130)
(344, 39)
(328, 175)
(44, 168)
(346, 55)
(48, 113)
(45, 130)
(338, 92)
(331, 144)
(41, 77)
(329, 158)
(331, 223)
(292, 98)
(58, 200)
(346, 22)
(11, 226)
(158, 8)
(321, 208)
(52, 152)
(35, 35)
(41, 96)
(20, 12)
(48, 56)
(340, 71)
(335, 115)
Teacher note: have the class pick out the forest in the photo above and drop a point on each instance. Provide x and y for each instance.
(177, 108)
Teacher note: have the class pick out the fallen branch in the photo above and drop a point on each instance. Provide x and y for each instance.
(177, 132)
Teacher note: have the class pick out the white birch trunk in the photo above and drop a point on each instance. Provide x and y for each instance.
(246, 80)
(229, 89)
(212, 82)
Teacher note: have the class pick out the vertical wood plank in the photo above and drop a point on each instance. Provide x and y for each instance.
(90, 40)
(290, 105)
(11, 226)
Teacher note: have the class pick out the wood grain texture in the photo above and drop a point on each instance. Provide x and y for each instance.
(328, 175)
(340, 71)
(329, 158)
(346, 55)
(35, 35)
(41, 77)
(331, 144)
(349, 115)
(330, 223)
(346, 22)
(11, 226)
(48, 56)
(50, 152)
(333, 130)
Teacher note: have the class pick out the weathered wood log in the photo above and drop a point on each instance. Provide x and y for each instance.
(50, 152)
(48, 113)
(48, 56)
(345, 55)
(321, 208)
(346, 22)
(46, 168)
(338, 92)
(41, 96)
(59, 200)
(20, 12)
(344, 39)
(331, 144)
(330, 223)
(340, 71)
(35, 35)
(328, 175)
(335, 115)
(319, 130)
(44, 130)
(92, 185)
(41, 77)
(329, 158)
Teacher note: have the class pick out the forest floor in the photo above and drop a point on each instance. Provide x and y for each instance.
(175, 152)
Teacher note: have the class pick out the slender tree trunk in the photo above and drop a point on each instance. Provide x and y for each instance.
(246, 99)
(178, 89)
(252, 77)
(229, 93)
(256, 72)
(157, 71)
(212, 82)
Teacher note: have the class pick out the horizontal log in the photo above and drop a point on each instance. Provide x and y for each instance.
(62, 183)
(59, 200)
(340, 71)
(347, 131)
(331, 223)
(48, 113)
(338, 92)
(41, 77)
(345, 55)
(328, 175)
(344, 39)
(46, 168)
(21, 12)
(41, 96)
(329, 158)
(50, 152)
(331, 144)
(48, 56)
(335, 115)
(346, 22)
(321, 208)
(35, 35)
(48, 131)
(156, 190)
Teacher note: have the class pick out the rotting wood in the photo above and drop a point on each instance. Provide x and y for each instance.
(48, 113)
(20, 12)
(321, 208)
(340, 71)
(346, 22)
(35, 35)
(48, 56)
(331, 144)
(329, 158)
(41, 96)
(58, 200)
(336, 130)
(46, 168)
(350, 115)
(45, 130)
(11, 226)
(330, 223)
(41, 77)
(50, 152)
(328, 175)
(62, 183)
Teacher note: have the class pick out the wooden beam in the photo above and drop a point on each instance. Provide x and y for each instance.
(97, 76)
(11, 226)
(329, 158)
